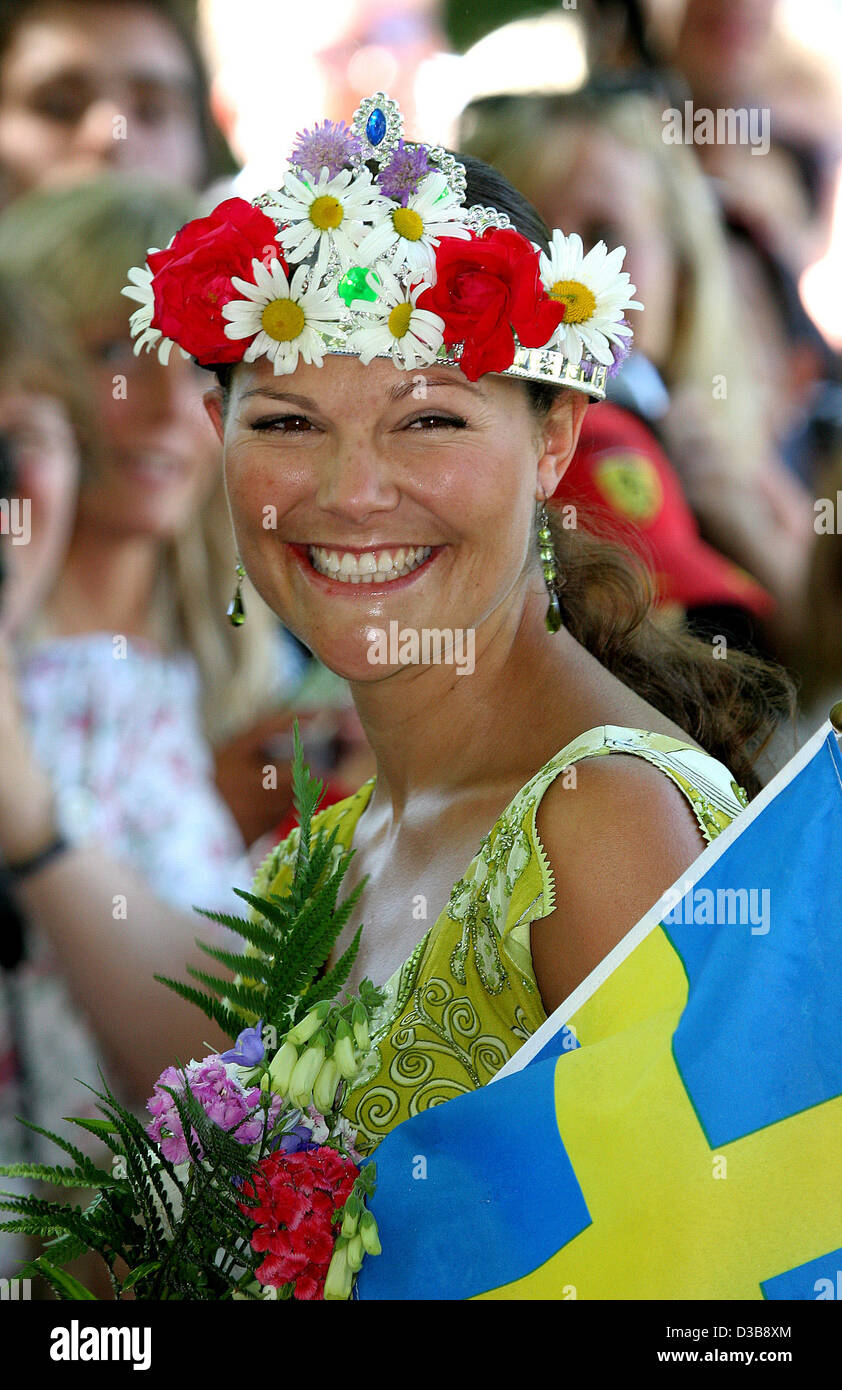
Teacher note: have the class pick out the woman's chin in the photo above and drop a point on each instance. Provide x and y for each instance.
(354, 665)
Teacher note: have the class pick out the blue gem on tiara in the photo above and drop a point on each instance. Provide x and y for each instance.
(375, 127)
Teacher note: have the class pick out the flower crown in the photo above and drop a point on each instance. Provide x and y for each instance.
(392, 264)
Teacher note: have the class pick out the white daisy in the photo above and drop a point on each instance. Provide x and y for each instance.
(414, 231)
(284, 320)
(140, 321)
(331, 213)
(595, 293)
(411, 336)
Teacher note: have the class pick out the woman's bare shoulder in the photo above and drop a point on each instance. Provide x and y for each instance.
(615, 841)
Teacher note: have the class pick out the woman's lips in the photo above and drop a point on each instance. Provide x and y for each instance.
(365, 585)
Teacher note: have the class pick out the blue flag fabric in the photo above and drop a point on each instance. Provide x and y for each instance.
(673, 1131)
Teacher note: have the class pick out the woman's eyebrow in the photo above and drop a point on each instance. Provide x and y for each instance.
(396, 393)
(408, 388)
(303, 401)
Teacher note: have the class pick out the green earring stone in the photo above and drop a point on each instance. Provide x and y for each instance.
(553, 618)
(236, 610)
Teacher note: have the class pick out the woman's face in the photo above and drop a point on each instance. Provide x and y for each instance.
(87, 85)
(42, 445)
(588, 181)
(428, 480)
(160, 455)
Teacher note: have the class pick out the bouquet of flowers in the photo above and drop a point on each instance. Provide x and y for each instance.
(245, 1183)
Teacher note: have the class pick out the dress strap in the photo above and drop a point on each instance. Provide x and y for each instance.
(713, 796)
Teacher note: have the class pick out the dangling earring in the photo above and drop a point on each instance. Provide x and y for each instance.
(236, 610)
(549, 566)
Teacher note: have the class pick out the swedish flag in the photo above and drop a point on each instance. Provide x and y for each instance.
(674, 1131)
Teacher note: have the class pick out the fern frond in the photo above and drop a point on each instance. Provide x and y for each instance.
(85, 1165)
(331, 983)
(244, 995)
(230, 1022)
(100, 1128)
(65, 1285)
(255, 966)
(58, 1176)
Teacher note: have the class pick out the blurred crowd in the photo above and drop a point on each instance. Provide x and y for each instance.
(158, 732)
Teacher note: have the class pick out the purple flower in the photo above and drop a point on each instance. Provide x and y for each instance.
(299, 1138)
(620, 352)
(223, 1100)
(405, 170)
(331, 146)
(248, 1050)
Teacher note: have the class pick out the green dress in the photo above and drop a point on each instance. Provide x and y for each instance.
(467, 998)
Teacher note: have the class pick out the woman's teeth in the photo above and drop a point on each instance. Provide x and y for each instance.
(372, 567)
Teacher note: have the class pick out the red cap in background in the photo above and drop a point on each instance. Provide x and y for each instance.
(620, 473)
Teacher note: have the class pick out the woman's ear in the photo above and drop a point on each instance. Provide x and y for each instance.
(212, 400)
(560, 431)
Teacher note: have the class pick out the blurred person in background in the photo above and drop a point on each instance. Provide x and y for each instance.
(356, 47)
(86, 87)
(44, 426)
(739, 54)
(380, 44)
(92, 84)
(44, 431)
(594, 162)
(751, 60)
(112, 691)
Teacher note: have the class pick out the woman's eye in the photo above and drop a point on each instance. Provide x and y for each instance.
(283, 424)
(438, 422)
(65, 106)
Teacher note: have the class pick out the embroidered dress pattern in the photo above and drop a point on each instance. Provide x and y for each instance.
(467, 998)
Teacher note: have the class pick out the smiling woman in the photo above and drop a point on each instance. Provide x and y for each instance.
(399, 476)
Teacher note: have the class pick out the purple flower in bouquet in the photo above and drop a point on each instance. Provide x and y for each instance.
(248, 1050)
(223, 1100)
(297, 1139)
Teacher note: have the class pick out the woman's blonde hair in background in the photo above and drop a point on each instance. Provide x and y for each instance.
(707, 344)
(36, 357)
(73, 247)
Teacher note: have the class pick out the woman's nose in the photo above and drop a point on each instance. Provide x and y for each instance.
(99, 131)
(357, 480)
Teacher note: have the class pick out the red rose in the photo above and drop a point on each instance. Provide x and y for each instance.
(487, 289)
(192, 278)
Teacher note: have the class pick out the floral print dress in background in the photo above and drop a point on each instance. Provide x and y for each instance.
(124, 745)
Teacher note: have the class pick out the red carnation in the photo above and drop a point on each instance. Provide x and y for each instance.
(486, 290)
(192, 278)
(297, 1195)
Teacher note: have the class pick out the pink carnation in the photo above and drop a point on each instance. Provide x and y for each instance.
(223, 1100)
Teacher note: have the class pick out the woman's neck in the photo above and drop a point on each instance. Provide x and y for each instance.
(107, 584)
(432, 730)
